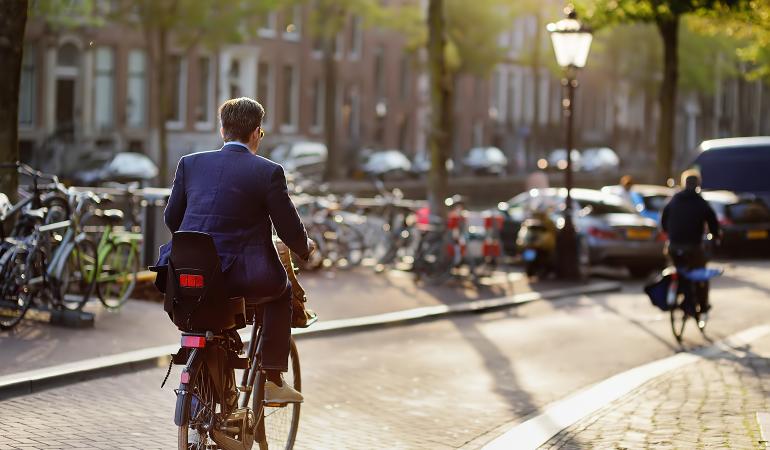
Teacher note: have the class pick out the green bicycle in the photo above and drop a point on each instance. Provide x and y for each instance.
(117, 260)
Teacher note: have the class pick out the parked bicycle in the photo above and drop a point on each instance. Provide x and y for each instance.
(117, 257)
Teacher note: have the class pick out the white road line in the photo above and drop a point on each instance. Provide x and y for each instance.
(537, 430)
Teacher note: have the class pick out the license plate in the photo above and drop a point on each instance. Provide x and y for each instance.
(529, 255)
(757, 234)
(475, 249)
(636, 234)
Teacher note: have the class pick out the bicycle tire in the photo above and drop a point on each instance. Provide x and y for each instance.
(116, 276)
(678, 318)
(77, 279)
(201, 391)
(15, 295)
(277, 426)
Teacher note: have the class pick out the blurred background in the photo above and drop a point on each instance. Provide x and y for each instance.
(102, 77)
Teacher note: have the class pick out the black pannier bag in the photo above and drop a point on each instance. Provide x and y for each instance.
(658, 291)
(195, 295)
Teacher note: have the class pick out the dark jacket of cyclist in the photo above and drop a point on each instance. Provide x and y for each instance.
(684, 218)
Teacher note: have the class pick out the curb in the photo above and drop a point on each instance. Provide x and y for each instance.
(29, 382)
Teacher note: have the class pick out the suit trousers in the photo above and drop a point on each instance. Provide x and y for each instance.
(276, 332)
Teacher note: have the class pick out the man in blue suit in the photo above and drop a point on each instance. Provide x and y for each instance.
(237, 197)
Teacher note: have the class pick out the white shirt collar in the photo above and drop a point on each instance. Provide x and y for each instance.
(237, 143)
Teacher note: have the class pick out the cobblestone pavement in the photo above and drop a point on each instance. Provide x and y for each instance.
(435, 385)
(711, 403)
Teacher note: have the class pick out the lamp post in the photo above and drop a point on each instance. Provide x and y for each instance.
(571, 44)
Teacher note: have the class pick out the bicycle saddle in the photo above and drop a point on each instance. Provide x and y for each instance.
(38, 213)
(114, 216)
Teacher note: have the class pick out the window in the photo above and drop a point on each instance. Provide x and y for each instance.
(234, 79)
(406, 77)
(379, 76)
(356, 37)
(292, 21)
(318, 103)
(27, 89)
(355, 112)
(289, 97)
(268, 27)
(136, 95)
(265, 90)
(176, 85)
(105, 90)
(205, 91)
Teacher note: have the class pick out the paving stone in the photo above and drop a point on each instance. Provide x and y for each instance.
(707, 404)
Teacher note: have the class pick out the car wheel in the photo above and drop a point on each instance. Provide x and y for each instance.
(639, 272)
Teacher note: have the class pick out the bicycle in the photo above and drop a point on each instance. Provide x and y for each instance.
(117, 259)
(678, 295)
(206, 416)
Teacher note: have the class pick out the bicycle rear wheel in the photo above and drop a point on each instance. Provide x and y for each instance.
(15, 295)
(76, 282)
(678, 321)
(117, 275)
(277, 425)
(199, 406)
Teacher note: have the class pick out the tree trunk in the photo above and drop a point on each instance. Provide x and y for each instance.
(331, 171)
(669, 32)
(157, 44)
(439, 140)
(13, 20)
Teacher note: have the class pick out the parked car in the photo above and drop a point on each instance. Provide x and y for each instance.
(744, 220)
(485, 160)
(390, 164)
(610, 230)
(121, 167)
(738, 165)
(602, 159)
(557, 160)
(304, 157)
(649, 200)
(421, 164)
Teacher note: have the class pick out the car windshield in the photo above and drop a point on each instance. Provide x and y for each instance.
(748, 211)
(737, 169)
(655, 202)
(599, 208)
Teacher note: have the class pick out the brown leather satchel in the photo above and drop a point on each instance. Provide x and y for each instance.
(302, 316)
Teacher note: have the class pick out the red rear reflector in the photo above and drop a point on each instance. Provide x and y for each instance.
(193, 341)
(185, 377)
(190, 281)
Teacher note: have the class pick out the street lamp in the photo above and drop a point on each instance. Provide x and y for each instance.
(571, 44)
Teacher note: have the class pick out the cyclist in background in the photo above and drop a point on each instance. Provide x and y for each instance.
(684, 219)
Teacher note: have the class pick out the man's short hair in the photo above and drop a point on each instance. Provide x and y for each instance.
(240, 117)
(627, 181)
(690, 179)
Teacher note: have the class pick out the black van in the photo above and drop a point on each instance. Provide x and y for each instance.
(740, 165)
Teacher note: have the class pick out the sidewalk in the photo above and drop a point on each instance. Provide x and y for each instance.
(711, 403)
(143, 324)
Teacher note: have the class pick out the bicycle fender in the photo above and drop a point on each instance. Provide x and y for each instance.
(56, 266)
(181, 414)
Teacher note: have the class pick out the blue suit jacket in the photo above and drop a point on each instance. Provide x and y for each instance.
(237, 197)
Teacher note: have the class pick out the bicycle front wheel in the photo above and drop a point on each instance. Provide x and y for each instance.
(117, 275)
(277, 425)
(76, 282)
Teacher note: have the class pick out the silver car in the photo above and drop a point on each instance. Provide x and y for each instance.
(610, 230)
